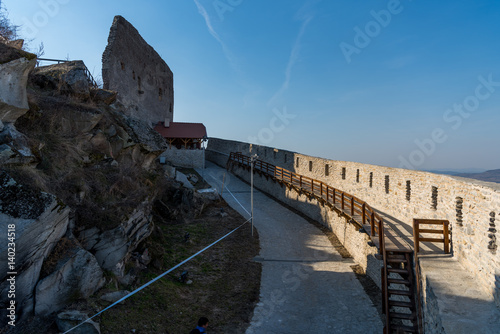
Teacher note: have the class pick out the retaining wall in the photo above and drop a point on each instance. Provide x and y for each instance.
(472, 207)
(184, 158)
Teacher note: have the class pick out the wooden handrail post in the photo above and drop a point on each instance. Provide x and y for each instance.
(372, 223)
(300, 181)
(342, 197)
(363, 213)
(327, 193)
(312, 186)
(334, 195)
(352, 206)
(381, 237)
(446, 237)
(416, 236)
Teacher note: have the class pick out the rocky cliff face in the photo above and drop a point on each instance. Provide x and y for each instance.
(77, 181)
(40, 220)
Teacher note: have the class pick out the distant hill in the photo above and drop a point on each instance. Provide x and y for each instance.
(488, 176)
(477, 174)
(450, 171)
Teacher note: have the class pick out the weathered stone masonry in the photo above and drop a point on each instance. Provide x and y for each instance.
(470, 206)
(143, 80)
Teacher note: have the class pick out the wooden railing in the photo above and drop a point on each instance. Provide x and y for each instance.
(352, 206)
(442, 229)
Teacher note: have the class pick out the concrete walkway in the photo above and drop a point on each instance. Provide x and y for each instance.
(306, 287)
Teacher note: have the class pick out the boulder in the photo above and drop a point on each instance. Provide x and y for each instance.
(17, 44)
(78, 275)
(134, 142)
(182, 178)
(113, 248)
(68, 78)
(114, 296)
(15, 66)
(193, 178)
(103, 96)
(209, 193)
(40, 220)
(14, 147)
(69, 319)
(9, 53)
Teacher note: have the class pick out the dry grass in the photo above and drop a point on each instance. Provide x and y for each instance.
(225, 285)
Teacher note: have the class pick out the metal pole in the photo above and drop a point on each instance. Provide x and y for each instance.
(203, 167)
(251, 190)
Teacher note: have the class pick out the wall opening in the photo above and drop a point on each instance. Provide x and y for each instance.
(434, 198)
(327, 170)
(387, 184)
(459, 207)
(297, 163)
(122, 65)
(408, 190)
(310, 166)
(343, 173)
(160, 94)
(171, 109)
(492, 231)
(133, 75)
(357, 176)
(371, 179)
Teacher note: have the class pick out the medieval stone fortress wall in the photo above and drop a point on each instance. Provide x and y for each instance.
(470, 206)
(132, 67)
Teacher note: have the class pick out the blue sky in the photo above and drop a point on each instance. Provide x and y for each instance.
(412, 84)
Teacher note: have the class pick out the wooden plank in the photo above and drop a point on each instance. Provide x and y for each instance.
(430, 231)
(430, 221)
(430, 240)
(446, 238)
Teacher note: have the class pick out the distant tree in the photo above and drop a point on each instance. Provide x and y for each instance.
(8, 31)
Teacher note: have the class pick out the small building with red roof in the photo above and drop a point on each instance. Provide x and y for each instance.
(185, 141)
(182, 135)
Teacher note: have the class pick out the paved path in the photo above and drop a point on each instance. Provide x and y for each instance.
(306, 287)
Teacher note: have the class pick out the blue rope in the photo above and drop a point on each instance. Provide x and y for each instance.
(157, 278)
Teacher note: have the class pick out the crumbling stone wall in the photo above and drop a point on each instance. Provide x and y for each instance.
(143, 80)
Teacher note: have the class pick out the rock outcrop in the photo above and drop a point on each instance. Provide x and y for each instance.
(143, 80)
(69, 319)
(40, 220)
(14, 147)
(15, 66)
(67, 78)
(78, 276)
(112, 248)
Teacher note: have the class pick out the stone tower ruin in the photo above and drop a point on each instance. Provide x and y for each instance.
(143, 80)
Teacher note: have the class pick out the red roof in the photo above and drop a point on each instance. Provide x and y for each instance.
(181, 130)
